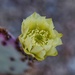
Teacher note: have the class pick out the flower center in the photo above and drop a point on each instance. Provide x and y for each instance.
(38, 36)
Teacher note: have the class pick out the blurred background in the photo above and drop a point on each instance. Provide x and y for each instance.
(12, 13)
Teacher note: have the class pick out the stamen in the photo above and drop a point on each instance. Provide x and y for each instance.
(39, 37)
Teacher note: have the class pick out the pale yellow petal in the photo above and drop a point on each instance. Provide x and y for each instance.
(41, 55)
(42, 24)
(35, 15)
(57, 41)
(27, 52)
(28, 43)
(48, 46)
(30, 22)
(52, 52)
(50, 22)
(36, 49)
(58, 34)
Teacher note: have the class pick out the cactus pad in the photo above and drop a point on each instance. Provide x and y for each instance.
(12, 59)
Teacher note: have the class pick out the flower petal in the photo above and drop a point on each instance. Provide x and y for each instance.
(48, 46)
(28, 43)
(35, 15)
(52, 52)
(27, 52)
(49, 21)
(41, 55)
(36, 49)
(30, 22)
(42, 24)
(58, 34)
(57, 41)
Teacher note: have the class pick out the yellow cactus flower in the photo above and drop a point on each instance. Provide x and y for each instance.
(39, 38)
